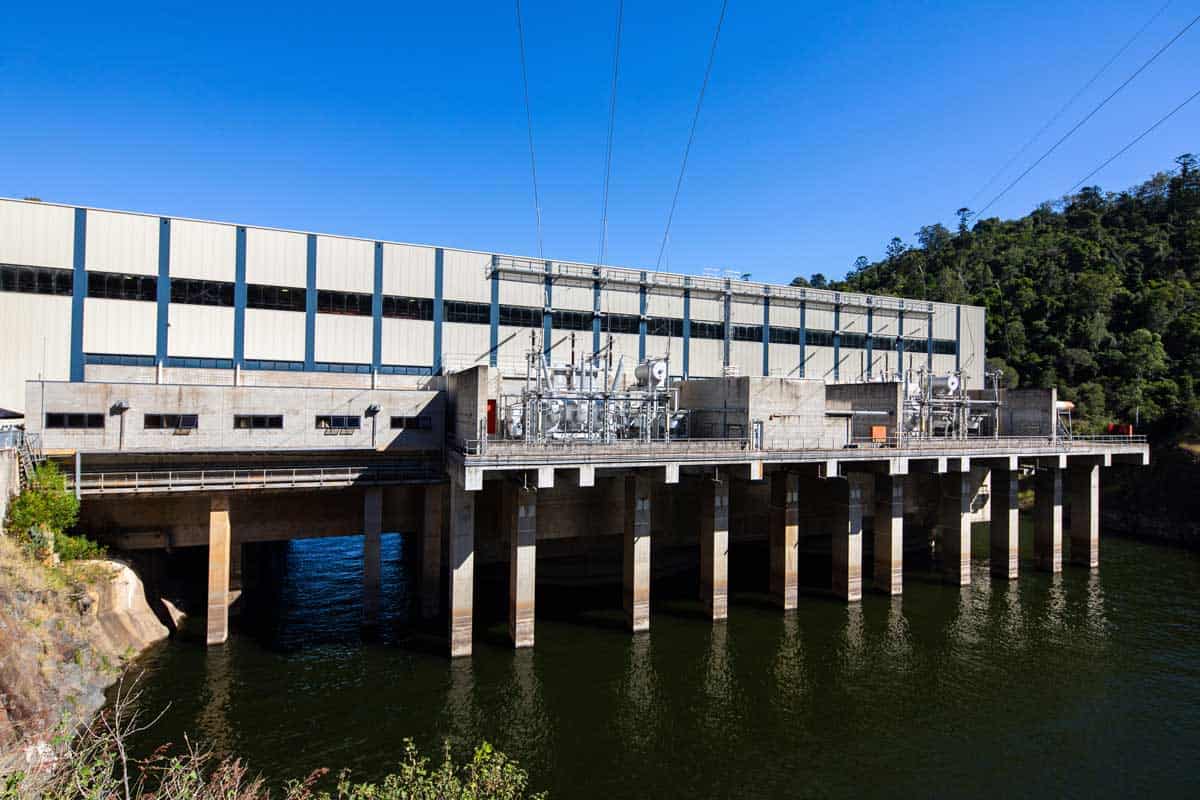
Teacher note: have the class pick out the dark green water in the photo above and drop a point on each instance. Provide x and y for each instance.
(1079, 685)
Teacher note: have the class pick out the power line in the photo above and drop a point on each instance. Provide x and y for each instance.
(1139, 137)
(1089, 115)
(612, 118)
(537, 206)
(1050, 122)
(712, 54)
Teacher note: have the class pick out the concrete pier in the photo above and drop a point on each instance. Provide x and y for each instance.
(636, 588)
(1005, 532)
(1047, 519)
(714, 547)
(432, 531)
(461, 563)
(218, 569)
(784, 538)
(372, 531)
(955, 520)
(846, 497)
(1084, 482)
(889, 534)
(521, 507)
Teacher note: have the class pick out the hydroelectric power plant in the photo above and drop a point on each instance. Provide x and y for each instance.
(211, 387)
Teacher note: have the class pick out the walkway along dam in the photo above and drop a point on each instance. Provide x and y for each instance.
(211, 385)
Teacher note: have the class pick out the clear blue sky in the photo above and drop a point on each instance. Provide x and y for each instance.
(828, 127)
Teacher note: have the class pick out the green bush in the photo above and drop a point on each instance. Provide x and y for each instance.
(77, 548)
(45, 504)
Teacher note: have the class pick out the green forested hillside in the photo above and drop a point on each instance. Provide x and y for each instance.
(1097, 294)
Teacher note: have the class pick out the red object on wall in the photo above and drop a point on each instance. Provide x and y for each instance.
(491, 422)
(1120, 429)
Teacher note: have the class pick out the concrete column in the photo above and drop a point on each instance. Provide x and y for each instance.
(432, 527)
(1085, 514)
(955, 520)
(846, 506)
(1047, 519)
(522, 563)
(784, 538)
(714, 548)
(637, 552)
(1005, 525)
(218, 569)
(372, 530)
(889, 534)
(461, 563)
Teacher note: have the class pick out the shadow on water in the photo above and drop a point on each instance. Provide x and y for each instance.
(1080, 684)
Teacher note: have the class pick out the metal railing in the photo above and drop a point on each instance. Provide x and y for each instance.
(207, 480)
(499, 448)
(995, 443)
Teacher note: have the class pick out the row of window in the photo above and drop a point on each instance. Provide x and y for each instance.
(36, 280)
(177, 422)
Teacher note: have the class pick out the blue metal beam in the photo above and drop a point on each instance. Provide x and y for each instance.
(377, 311)
(900, 342)
(494, 316)
(642, 320)
(78, 293)
(596, 310)
(803, 337)
(929, 342)
(766, 336)
(239, 298)
(439, 260)
(164, 290)
(957, 337)
(687, 327)
(310, 304)
(728, 333)
(870, 341)
(548, 312)
(837, 341)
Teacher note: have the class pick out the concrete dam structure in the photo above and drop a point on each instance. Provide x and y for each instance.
(208, 385)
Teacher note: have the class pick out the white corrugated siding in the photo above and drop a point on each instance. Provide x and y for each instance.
(916, 325)
(665, 305)
(203, 250)
(514, 344)
(944, 365)
(745, 313)
(615, 302)
(884, 323)
(125, 243)
(464, 277)
(974, 358)
(345, 265)
(36, 331)
(818, 318)
(122, 327)
(464, 344)
(785, 360)
(747, 357)
(200, 331)
(520, 293)
(32, 234)
(409, 342)
(706, 358)
(656, 347)
(573, 298)
(853, 321)
(274, 335)
(819, 364)
(275, 258)
(784, 316)
(943, 322)
(707, 310)
(343, 339)
(408, 271)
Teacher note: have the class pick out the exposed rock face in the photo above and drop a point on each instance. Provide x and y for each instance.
(64, 635)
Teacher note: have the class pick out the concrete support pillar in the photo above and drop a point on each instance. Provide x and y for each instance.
(889, 534)
(1047, 519)
(955, 521)
(461, 564)
(636, 590)
(1005, 525)
(522, 563)
(714, 548)
(432, 528)
(372, 531)
(218, 569)
(784, 538)
(1085, 514)
(846, 497)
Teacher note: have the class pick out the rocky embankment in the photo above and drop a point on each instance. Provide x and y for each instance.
(1161, 502)
(65, 633)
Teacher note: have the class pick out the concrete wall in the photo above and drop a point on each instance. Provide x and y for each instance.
(719, 407)
(216, 407)
(1027, 412)
(792, 411)
(868, 397)
(467, 400)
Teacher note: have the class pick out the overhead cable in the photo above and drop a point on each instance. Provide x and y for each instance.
(537, 206)
(1057, 114)
(712, 54)
(612, 118)
(1087, 117)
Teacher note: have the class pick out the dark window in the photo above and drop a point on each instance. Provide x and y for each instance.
(708, 330)
(408, 307)
(747, 333)
(280, 366)
(412, 423)
(620, 323)
(784, 335)
(818, 338)
(883, 342)
(665, 326)
(258, 422)
(115, 286)
(520, 316)
(74, 421)
(855, 341)
(118, 360)
(171, 422)
(472, 313)
(572, 320)
(339, 422)
(36, 280)
(352, 303)
(402, 369)
(332, 366)
(201, 293)
(944, 347)
(280, 298)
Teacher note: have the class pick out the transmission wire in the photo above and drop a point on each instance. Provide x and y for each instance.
(612, 118)
(537, 206)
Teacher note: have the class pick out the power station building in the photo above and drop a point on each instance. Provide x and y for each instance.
(218, 385)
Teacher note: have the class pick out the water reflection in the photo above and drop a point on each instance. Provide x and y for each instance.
(1056, 605)
(1096, 620)
(525, 718)
(461, 713)
(718, 680)
(638, 691)
(853, 654)
(898, 644)
(213, 719)
(791, 681)
(1012, 616)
